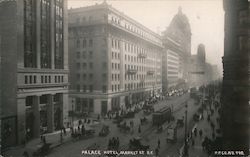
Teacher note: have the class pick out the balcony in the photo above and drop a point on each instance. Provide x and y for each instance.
(150, 72)
(132, 71)
(142, 55)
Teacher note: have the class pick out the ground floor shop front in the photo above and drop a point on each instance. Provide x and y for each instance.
(37, 113)
(101, 104)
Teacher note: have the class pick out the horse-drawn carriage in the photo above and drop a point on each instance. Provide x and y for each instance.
(135, 144)
(148, 109)
(86, 133)
(180, 123)
(130, 114)
(123, 127)
(43, 150)
(144, 121)
(104, 131)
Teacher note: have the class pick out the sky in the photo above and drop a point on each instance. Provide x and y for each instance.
(206, 18)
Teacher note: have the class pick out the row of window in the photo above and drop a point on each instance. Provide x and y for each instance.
(115, 77)
(115, 44)
(84, 65)
(84, 76)
(84, 54)
(85, 43)
(134, 59)
(115, 88)
(32, 79)
(115, 66)
(115, 55)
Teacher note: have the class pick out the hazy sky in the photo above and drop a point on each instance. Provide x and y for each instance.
(206, 19)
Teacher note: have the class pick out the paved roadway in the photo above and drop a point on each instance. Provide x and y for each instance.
(149, 135)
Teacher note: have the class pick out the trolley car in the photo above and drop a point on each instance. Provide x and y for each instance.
(161, 116)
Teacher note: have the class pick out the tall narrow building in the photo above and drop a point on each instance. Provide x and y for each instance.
(235, 90)
(34, 68)
(114, 60)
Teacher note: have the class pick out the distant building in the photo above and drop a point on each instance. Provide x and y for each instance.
(201, 72)
(198, 72)
(235, 88)
(171, 71)
(179, 31)
(34, 68)
(114, 60)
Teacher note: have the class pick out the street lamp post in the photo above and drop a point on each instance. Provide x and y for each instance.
(185, 143)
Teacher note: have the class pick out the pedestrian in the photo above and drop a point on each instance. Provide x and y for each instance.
(64, 130)
(139, 129)
(159, 143)
(195, 132)
(200, 132)
(156, 152)
(193, 142)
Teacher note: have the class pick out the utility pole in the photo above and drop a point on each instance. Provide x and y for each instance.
(186, 144)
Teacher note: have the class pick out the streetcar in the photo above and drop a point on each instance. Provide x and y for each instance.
(161, 116)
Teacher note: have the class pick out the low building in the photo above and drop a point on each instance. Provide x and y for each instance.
(114, 60)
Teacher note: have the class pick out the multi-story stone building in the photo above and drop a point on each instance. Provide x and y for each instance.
(235, 88)
(171, 72)
(179, 30)
(34, 68)
(114, 60)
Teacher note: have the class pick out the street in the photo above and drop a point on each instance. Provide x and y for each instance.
(149, 134)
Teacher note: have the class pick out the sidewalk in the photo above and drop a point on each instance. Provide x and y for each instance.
(205, 126)
(53, 138)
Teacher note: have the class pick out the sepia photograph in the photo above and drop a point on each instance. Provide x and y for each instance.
(124, 78)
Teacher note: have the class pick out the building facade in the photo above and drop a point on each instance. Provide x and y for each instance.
(114, 60)
(179, 30)
(235, 87)
(171, 71)
(34, 68)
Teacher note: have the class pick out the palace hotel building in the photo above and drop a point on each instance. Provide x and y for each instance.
(34, 68)
(114, 60)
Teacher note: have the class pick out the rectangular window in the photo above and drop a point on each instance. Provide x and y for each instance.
(84, 65)
(42, 79)
(45, 79)
(30, 79)
(77, 65)
(55, 79)
(34, 79)
(26, 79)
(90, 54)
(78, 55)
